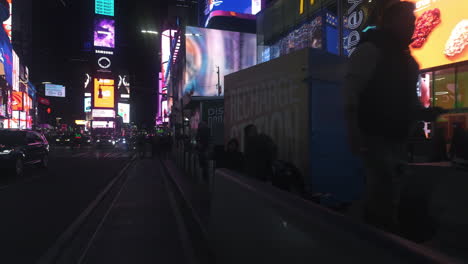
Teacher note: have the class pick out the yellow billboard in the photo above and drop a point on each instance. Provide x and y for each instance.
(104, 93)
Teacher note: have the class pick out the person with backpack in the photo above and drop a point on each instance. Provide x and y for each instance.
(382, 107)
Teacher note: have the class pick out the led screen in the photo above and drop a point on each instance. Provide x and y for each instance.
(7, 23)
(445, 40)
(16, 72)
(104, 93)
(103, 124)
(5, 57)
(207, 49)
(54, 90)
(124, 112)
(104, 7)
(104, 32)
(239, 6)
(17, 103)
(87, 104)
(103, 113)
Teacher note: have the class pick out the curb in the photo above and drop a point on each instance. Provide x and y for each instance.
(53, 253)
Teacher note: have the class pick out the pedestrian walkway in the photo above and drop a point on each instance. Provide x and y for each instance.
(141, 225)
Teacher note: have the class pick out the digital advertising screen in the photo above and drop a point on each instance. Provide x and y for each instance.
(103, 113)
(104, 7)
(7, 24)
(87, 104)
(124, 112)
(239, 6)
(103, 124)
(54, 90)
(17, 102)
(104, 32)
(6, 57)
(16, 71)
(208, 49)
(441, 33)
(104, 93)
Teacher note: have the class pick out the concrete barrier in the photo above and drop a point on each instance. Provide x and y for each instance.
(251, 222)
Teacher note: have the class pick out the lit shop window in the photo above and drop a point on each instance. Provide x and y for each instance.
(462, 87)
(444, 88)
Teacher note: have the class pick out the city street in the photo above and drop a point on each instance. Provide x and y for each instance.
(38, 207)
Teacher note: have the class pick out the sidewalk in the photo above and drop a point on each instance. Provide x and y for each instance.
(141, 225)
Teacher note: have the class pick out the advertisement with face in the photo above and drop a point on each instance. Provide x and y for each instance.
(124, 112)
(441, 34)
(208, 49)
(104, 93)
(104, 32)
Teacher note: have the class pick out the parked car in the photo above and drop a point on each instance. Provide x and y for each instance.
(22, 147)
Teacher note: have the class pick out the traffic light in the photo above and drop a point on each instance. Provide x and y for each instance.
(49, 110)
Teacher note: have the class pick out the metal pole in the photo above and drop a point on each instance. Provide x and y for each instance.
(219, 83)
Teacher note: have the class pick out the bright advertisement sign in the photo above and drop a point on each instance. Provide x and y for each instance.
(441, 34)
(7, 25)
(87, 104)
(239, 6)
(17, 101)
(104, 7)
(124, 112)
(16, 71)
(208, 49)
(104, 93)
(103, 113)
(54, 90)
(103, 124)
(104, 32)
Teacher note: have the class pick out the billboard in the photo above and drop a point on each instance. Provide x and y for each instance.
(441, 34)
(103, 124)
(17, 101)
(6, 57)
(87, 104)
(7, 25)
(16, 71)
(124, 86)
(104, 93)
(124, 112)
(104, 7)
(208, 49)
(239, 6)
(103, 113)
(104, 32)
(54, 90)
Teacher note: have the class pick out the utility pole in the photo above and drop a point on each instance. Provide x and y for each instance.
(219, 82)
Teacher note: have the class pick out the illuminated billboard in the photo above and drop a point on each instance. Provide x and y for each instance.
(239, 6)
(441, 34)
(124, 112)
(87, 104)
(104, 32)
(124, 86)
(16, 72)
(208, 49)
(7, 25)
(103, 124)
(104, 93)
(54, 90)
(103, 113)
(6, 63)
(104, 7)
(17, 101)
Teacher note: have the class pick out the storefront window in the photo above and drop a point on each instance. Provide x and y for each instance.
(462, 86)
(444, 88)
(425, 89)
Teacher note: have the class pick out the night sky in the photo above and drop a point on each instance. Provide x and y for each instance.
(60, 34)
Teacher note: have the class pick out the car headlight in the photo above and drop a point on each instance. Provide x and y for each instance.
(89, 140)
(113, 142)
(6, 152)
(110, 140)
(98, 140)
(67, 139)
(57, 139)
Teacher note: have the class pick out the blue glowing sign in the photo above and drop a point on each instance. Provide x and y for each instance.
(104, 7)
(239, 6)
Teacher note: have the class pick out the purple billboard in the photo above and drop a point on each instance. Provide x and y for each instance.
(104, 32)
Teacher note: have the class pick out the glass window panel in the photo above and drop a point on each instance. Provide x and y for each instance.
(424, 89)
(462, 86)
(444, 88)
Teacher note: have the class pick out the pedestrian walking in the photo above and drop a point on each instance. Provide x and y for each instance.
(382, 107)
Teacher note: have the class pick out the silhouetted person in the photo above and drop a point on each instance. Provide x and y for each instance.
(417, 136)
(260, 153)
(233, 158)
(381, 108)
(458, 142)
(203, 142)
(440, 145)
